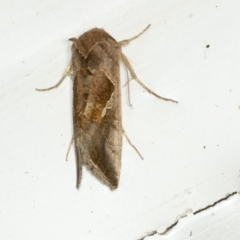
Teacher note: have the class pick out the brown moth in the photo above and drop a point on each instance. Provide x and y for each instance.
(97, 119)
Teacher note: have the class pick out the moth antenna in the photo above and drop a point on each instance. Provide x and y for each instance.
(126, 41)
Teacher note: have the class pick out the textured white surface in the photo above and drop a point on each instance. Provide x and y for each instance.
(219, 222)
(191, 150)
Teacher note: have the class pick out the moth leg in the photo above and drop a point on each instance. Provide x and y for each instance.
(78, 164)
(134, 76)
(69, 147)
(67, 72)
(126, 136)
(126, 41)
(128, 86)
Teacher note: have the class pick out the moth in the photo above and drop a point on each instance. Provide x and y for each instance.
(97, 118)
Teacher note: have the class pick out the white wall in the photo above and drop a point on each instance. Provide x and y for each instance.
(191, 149)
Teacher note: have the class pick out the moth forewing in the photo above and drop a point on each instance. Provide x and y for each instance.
(97, 105)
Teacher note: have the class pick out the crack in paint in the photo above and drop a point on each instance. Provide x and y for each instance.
(185, 215)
